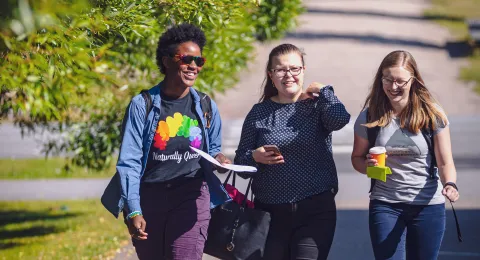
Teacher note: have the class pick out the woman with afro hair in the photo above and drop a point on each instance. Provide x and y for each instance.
(167, 189)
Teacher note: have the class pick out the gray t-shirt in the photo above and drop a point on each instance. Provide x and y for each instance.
(409, 160)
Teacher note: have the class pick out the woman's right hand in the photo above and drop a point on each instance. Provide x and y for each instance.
(370, 161)
(136, 227)
(264, 157)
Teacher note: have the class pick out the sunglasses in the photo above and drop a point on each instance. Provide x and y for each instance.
(187, 59)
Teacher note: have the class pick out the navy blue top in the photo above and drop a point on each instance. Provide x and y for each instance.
(303, 133)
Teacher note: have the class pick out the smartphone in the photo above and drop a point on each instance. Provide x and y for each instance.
(273, 148)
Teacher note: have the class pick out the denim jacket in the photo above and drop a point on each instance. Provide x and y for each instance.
(124, 188)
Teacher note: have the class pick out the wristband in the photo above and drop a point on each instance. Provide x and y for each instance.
(134, 214)
(451, 184)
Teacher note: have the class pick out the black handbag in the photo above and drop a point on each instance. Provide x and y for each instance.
(237, 232)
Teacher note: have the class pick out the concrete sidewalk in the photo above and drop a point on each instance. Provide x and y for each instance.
(345, 41)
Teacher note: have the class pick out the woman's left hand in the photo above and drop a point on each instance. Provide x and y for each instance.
(222, 159)
(451, 193)
(313, 89)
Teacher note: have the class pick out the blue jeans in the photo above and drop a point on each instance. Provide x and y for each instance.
(399, 230)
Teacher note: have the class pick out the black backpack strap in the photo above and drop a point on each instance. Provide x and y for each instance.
(148, 102)
(427, 133)
(148, 107)
(372, 133)
(206, 104)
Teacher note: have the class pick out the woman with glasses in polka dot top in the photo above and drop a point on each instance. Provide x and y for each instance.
(297, 182)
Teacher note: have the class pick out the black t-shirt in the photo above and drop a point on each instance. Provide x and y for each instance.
(170, 155)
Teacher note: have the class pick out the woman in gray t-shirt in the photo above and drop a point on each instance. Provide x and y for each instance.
(408, 210)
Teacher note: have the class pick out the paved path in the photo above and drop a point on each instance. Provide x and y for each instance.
(345, 42)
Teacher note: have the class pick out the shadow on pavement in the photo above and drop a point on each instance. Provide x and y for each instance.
(384, 15)
(352, 236)
(456, 49)
(365, 38)
(459, 49)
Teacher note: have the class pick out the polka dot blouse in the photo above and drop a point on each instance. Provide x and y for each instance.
(303, 133)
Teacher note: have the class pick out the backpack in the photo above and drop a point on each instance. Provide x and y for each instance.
(372, 133)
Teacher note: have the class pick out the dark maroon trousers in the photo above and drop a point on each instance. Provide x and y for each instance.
(177, 215)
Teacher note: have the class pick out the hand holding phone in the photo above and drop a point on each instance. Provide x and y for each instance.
(272, 148)
(264, 155)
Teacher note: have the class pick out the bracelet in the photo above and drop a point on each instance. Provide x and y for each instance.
(134, 214)
(451, 184)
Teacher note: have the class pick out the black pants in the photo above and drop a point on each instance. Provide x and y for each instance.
(302, 230)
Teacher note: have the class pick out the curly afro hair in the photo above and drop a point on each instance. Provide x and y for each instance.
(169, 41)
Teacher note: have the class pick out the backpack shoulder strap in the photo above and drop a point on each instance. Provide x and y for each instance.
(148, 105)
(206, 104)
(427, 133)
(148, 102)
(372, 133)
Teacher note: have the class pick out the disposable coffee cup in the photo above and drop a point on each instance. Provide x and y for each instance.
(378, 153)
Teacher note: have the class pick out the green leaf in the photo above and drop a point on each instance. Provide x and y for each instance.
(33, 78)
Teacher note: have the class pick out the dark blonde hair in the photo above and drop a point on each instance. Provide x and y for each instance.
(269, 89)
(422, 110)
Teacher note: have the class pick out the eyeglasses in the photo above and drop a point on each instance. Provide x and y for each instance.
(187, 59)
(400, 83)
(294, 71)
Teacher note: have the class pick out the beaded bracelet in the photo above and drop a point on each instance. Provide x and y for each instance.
(134, 214)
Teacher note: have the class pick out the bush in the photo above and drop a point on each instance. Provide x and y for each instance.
(78, 63)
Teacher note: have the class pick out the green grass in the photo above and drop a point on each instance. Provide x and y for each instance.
(59, 230)
(452, 14)
(46, 169)
(472, 72)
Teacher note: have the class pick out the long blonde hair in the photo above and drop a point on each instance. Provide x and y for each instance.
(422, 110)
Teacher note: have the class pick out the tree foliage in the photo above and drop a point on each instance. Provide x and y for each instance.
(72, 66)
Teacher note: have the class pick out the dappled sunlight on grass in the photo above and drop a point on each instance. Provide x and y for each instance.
(59, 230)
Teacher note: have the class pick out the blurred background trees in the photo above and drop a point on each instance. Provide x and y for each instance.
(71, 66)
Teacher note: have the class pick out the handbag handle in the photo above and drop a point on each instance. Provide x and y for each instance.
(244, 203)
(228, 178)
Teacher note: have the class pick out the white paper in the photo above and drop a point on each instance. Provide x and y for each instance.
(233, 167)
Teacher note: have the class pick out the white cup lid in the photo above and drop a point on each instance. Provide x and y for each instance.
(377, 150)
